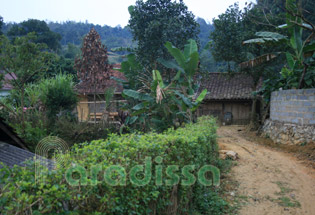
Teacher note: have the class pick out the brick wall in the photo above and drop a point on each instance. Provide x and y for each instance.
(293, 106)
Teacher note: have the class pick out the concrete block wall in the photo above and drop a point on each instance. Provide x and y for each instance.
(293, 106)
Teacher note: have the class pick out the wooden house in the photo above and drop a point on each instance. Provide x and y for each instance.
(85, 107)
(228, 97)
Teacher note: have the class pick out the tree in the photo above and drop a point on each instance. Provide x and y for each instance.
(226, 37)
(23, 60)
(93, 67)
(44, 34)
(1, 24)
(154, 22)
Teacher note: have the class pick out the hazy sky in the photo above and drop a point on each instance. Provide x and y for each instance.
(102, 12)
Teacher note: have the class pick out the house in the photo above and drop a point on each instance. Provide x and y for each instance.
(229, 97)
(85, 107)
(6, 86)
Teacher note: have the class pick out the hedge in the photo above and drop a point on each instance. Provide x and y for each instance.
(103, 191)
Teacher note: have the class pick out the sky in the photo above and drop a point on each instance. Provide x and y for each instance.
(102, 12)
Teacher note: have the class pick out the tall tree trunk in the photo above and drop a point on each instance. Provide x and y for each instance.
(22, 105)
(303, 75)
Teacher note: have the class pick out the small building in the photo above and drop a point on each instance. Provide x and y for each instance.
(228, 97)
(85, 107)
(6, 85)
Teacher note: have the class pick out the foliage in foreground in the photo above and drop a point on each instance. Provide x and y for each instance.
(194, 144)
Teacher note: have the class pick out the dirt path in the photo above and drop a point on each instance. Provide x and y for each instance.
(270, 181)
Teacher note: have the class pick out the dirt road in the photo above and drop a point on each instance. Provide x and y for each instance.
(269, 181)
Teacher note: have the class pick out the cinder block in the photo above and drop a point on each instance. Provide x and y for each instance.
(302, 109)
(307, 103)
(309, 91)
(294, 120)
(302, 97)
(311, 109)
(311, 98)
(309, 115)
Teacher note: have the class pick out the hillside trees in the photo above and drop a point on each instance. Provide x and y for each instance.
(154, 22)
(43, 33)
(1, 24)
(93, 67)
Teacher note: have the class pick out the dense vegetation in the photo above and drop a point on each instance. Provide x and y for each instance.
(175, 158)
(166, 52)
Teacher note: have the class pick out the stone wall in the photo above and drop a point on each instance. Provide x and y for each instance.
(287, 133)
(292, 117)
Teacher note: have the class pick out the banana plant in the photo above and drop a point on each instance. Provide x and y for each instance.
(186, 64)
(163, 106)
(301, 55)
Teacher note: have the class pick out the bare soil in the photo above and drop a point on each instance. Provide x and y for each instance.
(270, 179)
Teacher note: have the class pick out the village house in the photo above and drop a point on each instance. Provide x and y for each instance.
(229, 97)
(85, 107)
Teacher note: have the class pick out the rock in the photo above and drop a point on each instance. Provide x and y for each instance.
(227, 154)
(231, 155)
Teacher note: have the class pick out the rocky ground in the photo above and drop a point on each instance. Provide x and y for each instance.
(270, 179)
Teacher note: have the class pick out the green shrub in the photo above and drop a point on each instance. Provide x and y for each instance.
(57, 94)
(195, 144)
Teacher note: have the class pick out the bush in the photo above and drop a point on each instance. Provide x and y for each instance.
(194, 144)
(45, 103)
(57, 94)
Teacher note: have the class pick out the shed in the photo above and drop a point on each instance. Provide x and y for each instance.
(228, 94)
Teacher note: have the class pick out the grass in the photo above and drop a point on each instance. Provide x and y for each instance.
(288, 202)
(284, 200)
(284, 189)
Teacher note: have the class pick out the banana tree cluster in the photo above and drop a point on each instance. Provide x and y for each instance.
(162, 105)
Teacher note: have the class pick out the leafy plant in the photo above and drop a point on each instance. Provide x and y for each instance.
(300, 58)
(163, 105)
(57, 94)
(193, 144)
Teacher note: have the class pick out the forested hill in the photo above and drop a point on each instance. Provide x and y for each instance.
(205, 30)
(73, 32)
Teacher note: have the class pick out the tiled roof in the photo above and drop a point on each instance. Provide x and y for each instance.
(11, 155)
(222, 86)
(85, 87)
(6, 82)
